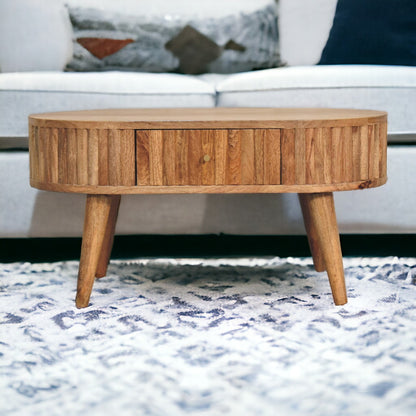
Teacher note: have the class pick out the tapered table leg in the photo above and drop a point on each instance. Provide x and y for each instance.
(108, 237)
(320, 211)
(97, 214)
(318, 260)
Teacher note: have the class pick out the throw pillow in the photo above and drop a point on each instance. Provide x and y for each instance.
(381, 32)
(163, 36)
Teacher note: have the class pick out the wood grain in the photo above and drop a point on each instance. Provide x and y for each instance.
(259, 155)
(233, 171)
(320, 212)
(303, 155)
(181, 158)
(103, 165)
(208, 139)
(142, 157)
(208, 118)
(312, 233)
(371, 151)
(383, 150)
(288, 157)
(248, 157)
(114, 157)
(348, 153)
(327, 155)
(71, 156)
(356, 153)
(337, 152)
(209, 189)
(108, 240)
(62, 159)
(97, 213)
(324, 156)
(156, 157)
(127, 162)
(376, 149)
(42, 149)
(272, 156)
(364, 155)
(220, 149)
(93, 159)
(82, 156)
(300, 154)
(33, 150)
(195, 152)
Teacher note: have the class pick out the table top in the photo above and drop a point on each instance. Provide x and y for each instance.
(199, 118)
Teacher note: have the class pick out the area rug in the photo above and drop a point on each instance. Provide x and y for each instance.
(205, 337)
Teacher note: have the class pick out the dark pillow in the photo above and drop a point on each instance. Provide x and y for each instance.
(381, 32)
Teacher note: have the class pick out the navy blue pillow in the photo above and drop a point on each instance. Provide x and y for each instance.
(381, 32)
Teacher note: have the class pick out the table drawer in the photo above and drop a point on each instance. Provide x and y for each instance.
(208, 157)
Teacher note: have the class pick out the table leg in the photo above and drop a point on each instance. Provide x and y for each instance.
(108, 238)
(97, 214)
(322, 229)
(312, 234)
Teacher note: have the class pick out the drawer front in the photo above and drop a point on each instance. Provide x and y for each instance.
(208, 157)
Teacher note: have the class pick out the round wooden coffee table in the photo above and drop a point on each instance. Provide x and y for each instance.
(107, 153)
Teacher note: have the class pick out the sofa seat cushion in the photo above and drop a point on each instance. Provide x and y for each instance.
(22, 94)
(388, 88)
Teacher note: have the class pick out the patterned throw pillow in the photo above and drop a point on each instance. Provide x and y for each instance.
(381, 32)
(167, 36)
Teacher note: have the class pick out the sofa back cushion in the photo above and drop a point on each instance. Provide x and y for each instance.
(35, 35)
(381, 32)
(174, 36)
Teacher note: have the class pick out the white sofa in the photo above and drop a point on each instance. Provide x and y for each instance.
(304, 27)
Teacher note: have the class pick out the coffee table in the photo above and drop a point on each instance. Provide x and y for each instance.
(108, 153)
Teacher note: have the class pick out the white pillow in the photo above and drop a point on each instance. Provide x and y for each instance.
(35, 35)
(304, 27)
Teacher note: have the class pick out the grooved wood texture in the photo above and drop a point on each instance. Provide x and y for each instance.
(83, 157)
(326, 151)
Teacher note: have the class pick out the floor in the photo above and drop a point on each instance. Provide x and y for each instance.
(39, 250)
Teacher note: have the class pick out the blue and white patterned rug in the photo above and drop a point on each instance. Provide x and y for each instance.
(254, 336)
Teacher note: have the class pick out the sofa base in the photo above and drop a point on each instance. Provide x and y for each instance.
(27, 212)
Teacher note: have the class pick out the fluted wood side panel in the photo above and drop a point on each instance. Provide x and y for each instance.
(83, 156)
(204, 157)
(333, 155)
